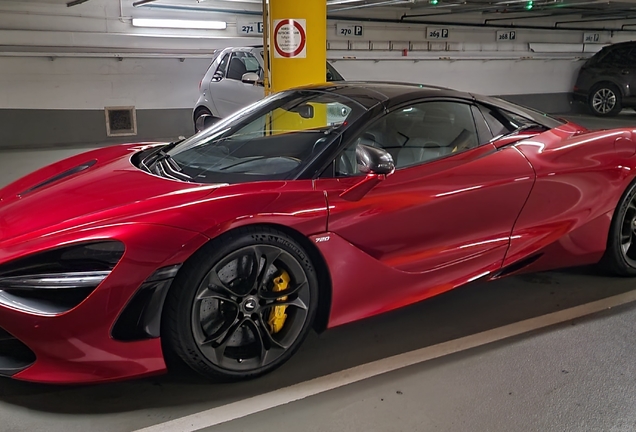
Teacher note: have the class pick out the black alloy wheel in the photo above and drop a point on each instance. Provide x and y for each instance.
(620, 257)
(252, 305)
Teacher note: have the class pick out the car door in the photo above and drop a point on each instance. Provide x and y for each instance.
(229, 92)
(619, 66)
(448, 210)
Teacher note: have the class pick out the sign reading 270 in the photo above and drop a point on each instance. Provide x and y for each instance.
(290, 38)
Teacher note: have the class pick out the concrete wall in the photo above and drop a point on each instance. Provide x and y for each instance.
(61, 102)
(59, 67)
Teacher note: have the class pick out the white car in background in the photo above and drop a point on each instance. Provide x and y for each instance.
(233, 81)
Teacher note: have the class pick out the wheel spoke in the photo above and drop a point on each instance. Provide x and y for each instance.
(269, 295)
(222, 331)
(271, 254)
(218, 349)
(260, 333)
(267, 336)
(209, 293)
(626, 238)
(250, 272)
(297, 303)
(214, 280)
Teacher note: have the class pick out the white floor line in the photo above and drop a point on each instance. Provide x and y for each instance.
(313, 387)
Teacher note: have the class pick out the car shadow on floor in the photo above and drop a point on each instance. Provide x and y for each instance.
(462, 312)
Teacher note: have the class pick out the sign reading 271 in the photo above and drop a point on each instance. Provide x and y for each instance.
(249, 27)
(437, 33)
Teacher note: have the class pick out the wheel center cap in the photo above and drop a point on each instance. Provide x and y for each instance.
(250, 304)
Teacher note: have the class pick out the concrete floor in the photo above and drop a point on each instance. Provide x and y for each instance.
(575, 376)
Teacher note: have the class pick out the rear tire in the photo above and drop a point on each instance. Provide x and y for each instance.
(620, 256)
(605, 100)
(198, 119)
(218, 312)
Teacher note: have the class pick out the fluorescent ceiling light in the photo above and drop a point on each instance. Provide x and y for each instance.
(182, 24)
(340, 2)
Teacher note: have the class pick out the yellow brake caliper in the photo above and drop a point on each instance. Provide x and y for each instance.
(278, 316)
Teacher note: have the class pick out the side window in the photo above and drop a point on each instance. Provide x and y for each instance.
(416, 134)
(222, 69)
(495, 121)
(618, 57)
(483, 130)
(332, 74)
(242, 63)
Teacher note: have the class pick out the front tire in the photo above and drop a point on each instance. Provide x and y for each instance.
(203, 119)
(620, 256)
(242, 305)
(605, 100)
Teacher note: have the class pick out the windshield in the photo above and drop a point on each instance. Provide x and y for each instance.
(273, 139)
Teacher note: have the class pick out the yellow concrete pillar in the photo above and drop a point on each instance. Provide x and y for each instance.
(297, 43)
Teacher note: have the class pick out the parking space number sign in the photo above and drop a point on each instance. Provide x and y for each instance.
(349, 30)
(249, 27)
(506, 35)
(436, 33)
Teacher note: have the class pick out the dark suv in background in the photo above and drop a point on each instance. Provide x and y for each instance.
(607, 81)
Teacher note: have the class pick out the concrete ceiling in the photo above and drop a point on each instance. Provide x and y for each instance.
(442, 7)
(539, 14)
(56, 2)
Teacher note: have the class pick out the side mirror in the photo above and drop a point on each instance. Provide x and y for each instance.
(305, 111)
(251, 78)
(376, 163)
(373, 160)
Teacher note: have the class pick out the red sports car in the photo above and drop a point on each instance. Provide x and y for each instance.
(312, 208)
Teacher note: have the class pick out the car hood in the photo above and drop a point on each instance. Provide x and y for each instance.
(84, 190)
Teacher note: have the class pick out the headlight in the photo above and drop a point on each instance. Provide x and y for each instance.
(55, 281)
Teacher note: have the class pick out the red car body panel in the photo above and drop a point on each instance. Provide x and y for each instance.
(580, 178)
(422, 231)
(552, 195)
(161, 222)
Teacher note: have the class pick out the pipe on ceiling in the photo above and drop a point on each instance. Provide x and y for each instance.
(578, 11)
(467, 7)
(75, 3)
(142, 2)
(614, 18)
(391, 20)
(375, 4)
(474, 25)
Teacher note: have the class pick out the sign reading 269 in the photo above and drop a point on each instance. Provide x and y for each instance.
(437, 33)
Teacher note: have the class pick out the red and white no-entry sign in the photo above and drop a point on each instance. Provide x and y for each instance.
(290, 38)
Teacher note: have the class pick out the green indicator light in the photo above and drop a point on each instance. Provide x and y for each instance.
(529, 5)
(434, 2)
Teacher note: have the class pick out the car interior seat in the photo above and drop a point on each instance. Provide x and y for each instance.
(237, 69)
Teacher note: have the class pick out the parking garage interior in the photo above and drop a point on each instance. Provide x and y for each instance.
(547, 351)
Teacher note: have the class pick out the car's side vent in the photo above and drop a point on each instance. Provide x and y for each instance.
(121, 121)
